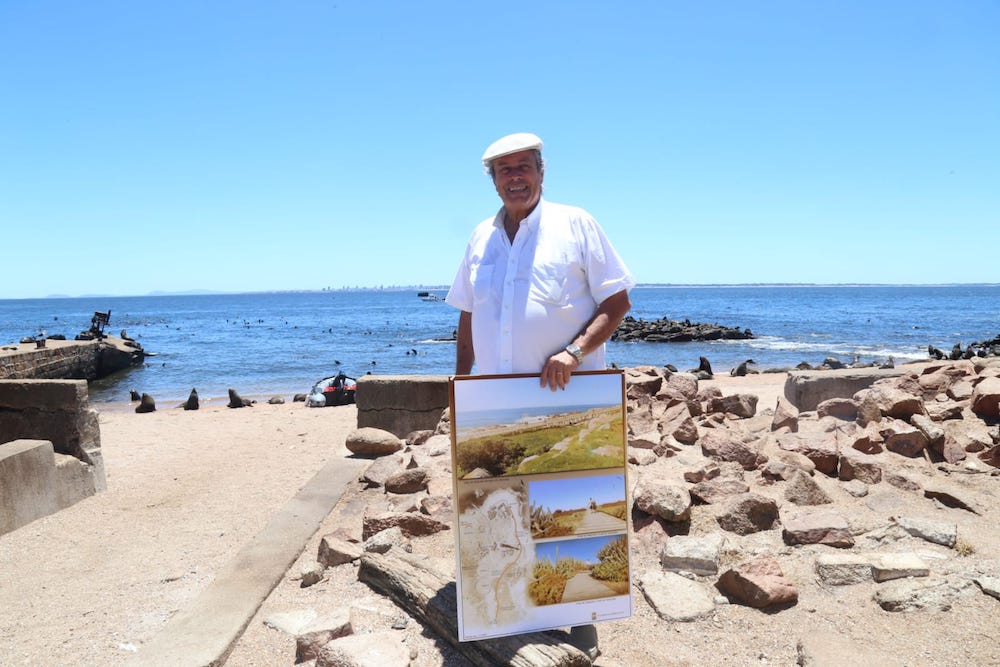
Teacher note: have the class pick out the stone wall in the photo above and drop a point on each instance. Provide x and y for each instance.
(401, 404)
(68, 359)
(50, 449)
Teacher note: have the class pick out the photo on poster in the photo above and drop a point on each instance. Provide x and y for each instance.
(577, 506)
(577, 570)
(513, 426)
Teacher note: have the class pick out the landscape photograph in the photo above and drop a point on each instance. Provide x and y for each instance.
(510, 426)
(577, 570)
(576, 506)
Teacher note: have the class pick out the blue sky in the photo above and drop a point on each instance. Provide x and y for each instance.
(479, 394)
(243, 146)
(571, 493)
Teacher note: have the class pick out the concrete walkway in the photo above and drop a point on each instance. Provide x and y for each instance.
(205, 633)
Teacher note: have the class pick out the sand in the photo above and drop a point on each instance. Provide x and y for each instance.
(186, 490)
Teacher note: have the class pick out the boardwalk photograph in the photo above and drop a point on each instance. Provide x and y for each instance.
(577, 506)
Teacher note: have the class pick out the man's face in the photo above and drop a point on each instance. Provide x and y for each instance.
(518, 181)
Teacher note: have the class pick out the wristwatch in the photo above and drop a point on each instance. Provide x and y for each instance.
(575, 351)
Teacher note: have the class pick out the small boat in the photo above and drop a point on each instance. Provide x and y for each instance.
(427, 296)
(336, 390)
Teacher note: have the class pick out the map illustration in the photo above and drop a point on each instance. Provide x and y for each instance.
(496, 557)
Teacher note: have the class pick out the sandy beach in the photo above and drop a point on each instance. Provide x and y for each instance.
(186, 490)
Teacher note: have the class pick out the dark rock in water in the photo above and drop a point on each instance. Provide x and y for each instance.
(146, 404)
(299, 398)
(192, 402)
(237, 401)
(276, 400)
(133, 395)
(665, 330)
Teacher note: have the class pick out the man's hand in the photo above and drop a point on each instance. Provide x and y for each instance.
(557, 370)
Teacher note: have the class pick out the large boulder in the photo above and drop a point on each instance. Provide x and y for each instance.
(370, 441)
(758, 584)
(748, 513)
(659, 498)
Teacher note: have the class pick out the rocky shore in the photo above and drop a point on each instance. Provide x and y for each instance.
(665, 330)
(862, 531)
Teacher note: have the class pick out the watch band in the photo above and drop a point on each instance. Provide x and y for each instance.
(575, 351)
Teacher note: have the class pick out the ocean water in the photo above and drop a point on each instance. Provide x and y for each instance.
(281, 343)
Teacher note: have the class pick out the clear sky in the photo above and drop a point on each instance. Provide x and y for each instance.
(244, 146)
(478, 394)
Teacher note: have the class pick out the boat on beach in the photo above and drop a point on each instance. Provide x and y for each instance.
(336, 390)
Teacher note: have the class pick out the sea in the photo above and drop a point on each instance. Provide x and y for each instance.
(281, 343)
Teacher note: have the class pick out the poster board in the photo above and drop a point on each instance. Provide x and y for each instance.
(541, 508)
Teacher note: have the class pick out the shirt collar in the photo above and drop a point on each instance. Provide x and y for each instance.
(531, 222)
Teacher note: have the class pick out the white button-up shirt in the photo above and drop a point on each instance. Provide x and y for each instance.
(531, 298)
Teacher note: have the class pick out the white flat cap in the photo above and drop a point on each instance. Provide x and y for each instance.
(512, 143)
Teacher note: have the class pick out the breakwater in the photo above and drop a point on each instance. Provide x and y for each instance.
(68, 359)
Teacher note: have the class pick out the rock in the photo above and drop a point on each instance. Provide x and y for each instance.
(891, 400)
(748, 513)
(862, 467)
(949, 496)
(386, 539)
(697, 555)
(311, 574)
(887, 566)
(146, 404)
(676, 598)
(743, 406)
(192, 402)
(369, 441)
(868, 440)
(913, 595)
(677, 423)
(413, 524)
(717, 490)
(824, 453)
(902, 482)
(376, 649)
(985, 400)
(380, 470)
(836, 569)
(321, 631)
(437, 507)
(786, 416)
(291, 622)
(334, 551)
(856, 488)
(803, 490)
(845, 409)
(938, 532)
(641, 457)
(989, 585)
(826, 528)
(724, 445)
(407, 481)
(705, 472)
(662, 499)
(758, 584)
(904, 439)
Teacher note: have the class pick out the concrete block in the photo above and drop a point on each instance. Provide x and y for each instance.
(401, 404)
(67, 395)
(27, 483)
(807, 389)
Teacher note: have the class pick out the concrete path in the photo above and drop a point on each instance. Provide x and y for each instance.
(584, 587)
(205, 633)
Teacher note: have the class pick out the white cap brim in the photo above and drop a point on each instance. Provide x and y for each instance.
(512, 143)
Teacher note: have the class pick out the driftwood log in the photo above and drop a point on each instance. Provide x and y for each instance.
(428, 595)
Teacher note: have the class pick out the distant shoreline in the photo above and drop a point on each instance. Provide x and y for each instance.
(406, 288)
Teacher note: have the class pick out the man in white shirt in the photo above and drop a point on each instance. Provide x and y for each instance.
(540, 288)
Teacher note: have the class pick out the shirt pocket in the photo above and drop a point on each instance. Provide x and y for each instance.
(548, 284)
(482, 283)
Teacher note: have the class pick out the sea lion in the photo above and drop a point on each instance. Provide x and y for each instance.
(237, 401)
(934, 353)
(742, 369)
(133, 395)
(192, 401)
(146, 404)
